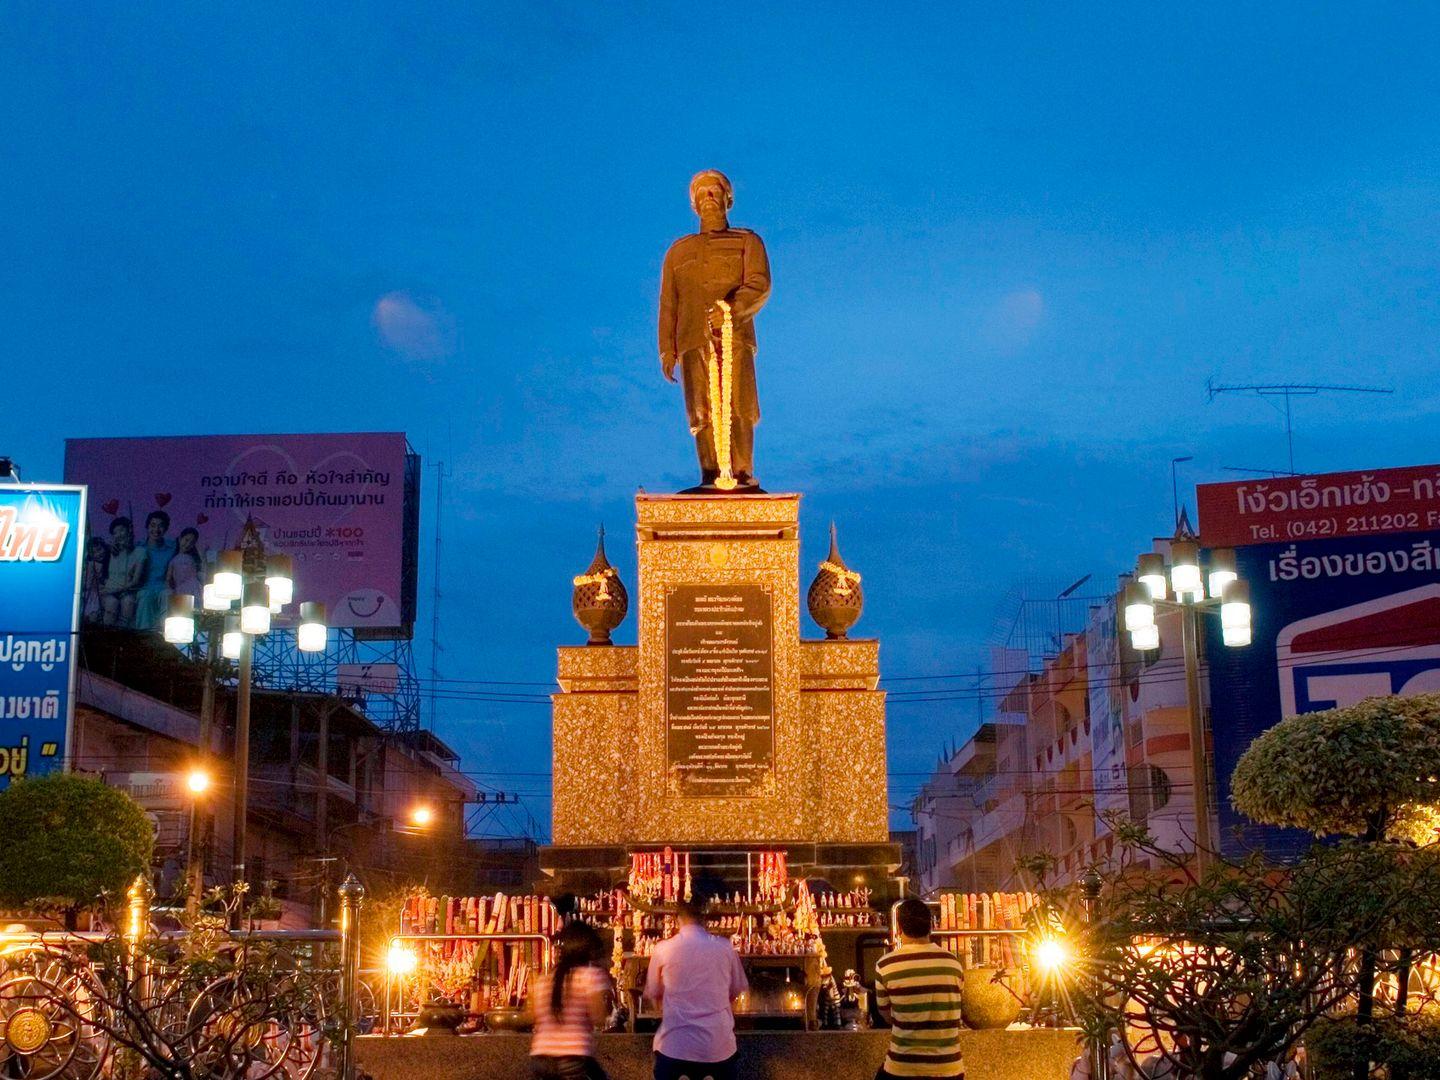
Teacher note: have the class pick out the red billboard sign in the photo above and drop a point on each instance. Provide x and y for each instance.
(1319, 507)
(162, 508)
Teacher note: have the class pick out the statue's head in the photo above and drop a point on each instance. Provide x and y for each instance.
(712, 187)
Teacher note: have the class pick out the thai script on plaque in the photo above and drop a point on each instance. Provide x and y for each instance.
(719, 688)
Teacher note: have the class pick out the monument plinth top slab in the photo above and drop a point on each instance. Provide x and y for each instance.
(659, 517)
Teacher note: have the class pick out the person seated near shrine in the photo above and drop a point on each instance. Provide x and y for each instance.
(917, 990)
(568, 1004)
(694, 977)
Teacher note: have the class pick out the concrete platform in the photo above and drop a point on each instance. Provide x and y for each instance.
(821, 1055)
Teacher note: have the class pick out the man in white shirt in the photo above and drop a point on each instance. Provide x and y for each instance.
(694, 977)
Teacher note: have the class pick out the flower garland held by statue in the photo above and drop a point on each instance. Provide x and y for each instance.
(722, 379)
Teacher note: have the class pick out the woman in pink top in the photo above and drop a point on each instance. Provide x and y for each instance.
(568, 1004)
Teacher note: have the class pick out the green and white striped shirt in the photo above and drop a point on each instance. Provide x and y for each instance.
(921, 985)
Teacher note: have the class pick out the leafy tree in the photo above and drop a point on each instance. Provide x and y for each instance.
(1369, 770)
(69, 840)
(1221, 974)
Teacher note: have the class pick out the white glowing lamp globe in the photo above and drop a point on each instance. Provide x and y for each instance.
(1146, 638)
(1150, 572)
(212, 600)
(1235, 636)
(229, 575)
(1185, 570)
(280, 579)
(1235, 606)
(180, 619)
(255, 610)
(1222, 570)
(1139, 608)
(312, 632)
(232, 641)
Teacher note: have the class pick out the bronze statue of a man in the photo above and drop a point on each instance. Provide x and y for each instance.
(716, 276)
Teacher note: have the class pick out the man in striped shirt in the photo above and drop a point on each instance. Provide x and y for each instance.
(917, 989)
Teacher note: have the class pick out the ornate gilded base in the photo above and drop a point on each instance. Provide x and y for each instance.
(721, 727)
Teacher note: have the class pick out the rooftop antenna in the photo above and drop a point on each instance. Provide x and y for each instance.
(1288, 391)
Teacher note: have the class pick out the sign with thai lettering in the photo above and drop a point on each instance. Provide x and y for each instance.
(41, 536)
(1319, 507)
(1335, 621)
(343, 506)
(719, 689)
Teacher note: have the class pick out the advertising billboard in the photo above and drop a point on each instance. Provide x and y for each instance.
(1345, 602)
(41, 540)
(344, 506)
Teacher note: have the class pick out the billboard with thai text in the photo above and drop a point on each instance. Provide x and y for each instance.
(1320, 507)
(161, 509)
(41, 539)
(1348, 612)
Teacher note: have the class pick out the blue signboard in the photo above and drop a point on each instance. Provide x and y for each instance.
(1335, 621)
(41, 550)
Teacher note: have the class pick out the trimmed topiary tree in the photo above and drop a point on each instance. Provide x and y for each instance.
(69, 840)
(1370, 770)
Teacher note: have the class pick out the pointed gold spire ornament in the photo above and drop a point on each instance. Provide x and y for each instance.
(835, 598)
(599, 601)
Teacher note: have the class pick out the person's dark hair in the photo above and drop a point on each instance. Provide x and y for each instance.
(579, 946)
(914, 918)
(162, 515)
(693, 909)
(115, 523)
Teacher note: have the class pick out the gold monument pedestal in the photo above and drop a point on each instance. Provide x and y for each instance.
(722, 730)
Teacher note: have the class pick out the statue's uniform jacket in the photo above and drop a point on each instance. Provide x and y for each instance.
(699, 269)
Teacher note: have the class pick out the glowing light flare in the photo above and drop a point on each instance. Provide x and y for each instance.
(1051, 954)
(400, 961)
(197, 781)
(421, 816)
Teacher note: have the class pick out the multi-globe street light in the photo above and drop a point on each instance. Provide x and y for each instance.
(1149, 595)
(262, 585)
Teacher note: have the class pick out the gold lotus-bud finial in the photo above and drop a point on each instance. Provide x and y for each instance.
(599, 601)
(835, 598)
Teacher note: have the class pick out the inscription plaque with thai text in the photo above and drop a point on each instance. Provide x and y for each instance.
(719, 689)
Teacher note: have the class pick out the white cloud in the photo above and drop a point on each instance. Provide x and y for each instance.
(418, 328)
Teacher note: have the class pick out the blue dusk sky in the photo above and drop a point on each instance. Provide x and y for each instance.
(1010, 244)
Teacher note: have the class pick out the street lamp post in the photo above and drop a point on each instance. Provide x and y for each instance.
(262, 585)
(197, 782)
(418, 820)
(1228, 597)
